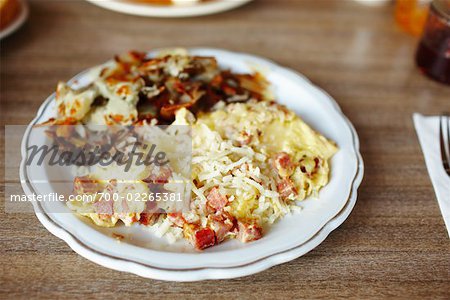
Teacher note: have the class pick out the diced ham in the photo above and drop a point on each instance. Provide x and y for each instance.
(111, 187)
(221, 230)
(104, 207)
(283, 164)
(151, 207)
(125, 209)
(159, 175)
(176, 218)
(285, 188)
(204, 238)
(200, 238)
(85, 185)
(248, 232)
(148, 218)
(216, 200)
(221, 225)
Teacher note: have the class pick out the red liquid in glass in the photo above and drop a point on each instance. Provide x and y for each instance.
(434, 63)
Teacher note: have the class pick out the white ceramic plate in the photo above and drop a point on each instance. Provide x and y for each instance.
(17, 22)
(143, 254)
(169, 11)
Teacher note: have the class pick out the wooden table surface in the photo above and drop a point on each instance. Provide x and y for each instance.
(393, 244)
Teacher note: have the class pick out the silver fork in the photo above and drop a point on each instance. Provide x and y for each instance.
(445, 150)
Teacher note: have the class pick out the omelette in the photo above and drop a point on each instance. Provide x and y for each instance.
(253, 160)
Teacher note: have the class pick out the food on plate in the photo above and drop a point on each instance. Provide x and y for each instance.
(253, 160)
(9, 11)
(169, 2)
(136, 89)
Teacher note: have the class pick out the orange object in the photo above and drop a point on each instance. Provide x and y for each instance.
(165, 2)
(9, 10)
(157, 2)
(411, 15)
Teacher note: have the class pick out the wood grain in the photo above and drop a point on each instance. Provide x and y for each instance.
(394, 243)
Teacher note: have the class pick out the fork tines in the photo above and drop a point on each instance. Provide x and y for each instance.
(444, 140)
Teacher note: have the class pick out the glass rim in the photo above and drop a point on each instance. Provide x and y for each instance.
(442, 7)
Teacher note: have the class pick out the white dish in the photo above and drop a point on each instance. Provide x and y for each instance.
(143, 254)
(169, 11)
(18, 22)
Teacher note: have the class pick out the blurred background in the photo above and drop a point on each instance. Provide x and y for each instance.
(363, 53)
(337, 44)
